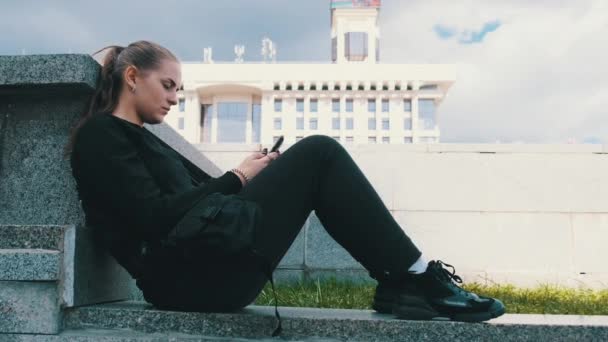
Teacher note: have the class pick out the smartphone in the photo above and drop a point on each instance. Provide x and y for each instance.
(277, 144)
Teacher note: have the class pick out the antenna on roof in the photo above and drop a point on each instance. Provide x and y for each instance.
(269, 50)
(239, 50)
(207, 55)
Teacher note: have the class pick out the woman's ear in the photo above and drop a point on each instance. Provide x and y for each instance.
(130, 76)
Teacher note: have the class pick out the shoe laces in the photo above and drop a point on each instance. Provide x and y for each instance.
(445, 273)
(441, 269)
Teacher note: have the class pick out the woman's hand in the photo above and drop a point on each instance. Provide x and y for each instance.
(256, 162)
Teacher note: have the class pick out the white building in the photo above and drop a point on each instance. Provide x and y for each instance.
(354, 98)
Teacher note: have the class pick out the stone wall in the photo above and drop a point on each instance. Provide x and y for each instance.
(501, 213)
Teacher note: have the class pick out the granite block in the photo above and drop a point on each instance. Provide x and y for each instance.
(32, 237)
(136, 293)
(36, 184)
(339, 324)
(177, 142)
(288, 276)
(322, 251)
(91, 274)
(36, 72)
(358, 276)
(294, 258)
(29, 307)
(29, 264)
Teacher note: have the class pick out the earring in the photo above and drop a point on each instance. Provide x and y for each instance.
(133, 89)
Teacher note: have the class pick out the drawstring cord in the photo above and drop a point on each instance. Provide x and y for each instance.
(267, 269)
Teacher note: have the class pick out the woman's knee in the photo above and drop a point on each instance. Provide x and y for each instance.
(322, 143)
(319, 139)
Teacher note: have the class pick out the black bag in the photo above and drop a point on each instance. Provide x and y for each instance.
(217, 225)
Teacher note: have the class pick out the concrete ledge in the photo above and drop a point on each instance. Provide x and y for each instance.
(31, 73)
(359, 325)
(127, 335)
(29, 264)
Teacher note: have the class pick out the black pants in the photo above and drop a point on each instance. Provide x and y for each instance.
(318, 174)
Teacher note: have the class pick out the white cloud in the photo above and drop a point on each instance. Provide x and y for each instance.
(542, 76)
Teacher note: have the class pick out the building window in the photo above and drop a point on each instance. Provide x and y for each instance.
(182, 105)
(385, 106)
(335, 105)
(336, 138)
(371, 105)
(180, 123)
(349, 139)
(355, 46)
(206, 114)
(300, 105)
(426, 114)
(386, 140)
(275, 139)
(312, 124)
(335, 123)
(371, 140)
(371, 123)
(407, 123)
(232, 122)
(407, 140)
(278, 105)
(428, 87)
(299, 137)
(349, 123)
(334, 48)
(349, 105)
(314, 105)
(256, 116)
(407, 105)
(277, 123)
(299, 123)
(386, 124)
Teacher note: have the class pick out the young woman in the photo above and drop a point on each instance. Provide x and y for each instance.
(134, 188)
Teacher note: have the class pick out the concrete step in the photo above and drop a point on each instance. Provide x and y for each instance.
(29, 296)
(257, 322)
(30, 264)
(32, 237)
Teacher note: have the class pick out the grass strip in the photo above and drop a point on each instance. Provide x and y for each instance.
(544, 299)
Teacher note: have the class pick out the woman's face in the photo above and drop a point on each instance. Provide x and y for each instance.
(156, 91)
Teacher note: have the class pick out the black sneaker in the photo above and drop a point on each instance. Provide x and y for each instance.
(435, 289)
(404, 304)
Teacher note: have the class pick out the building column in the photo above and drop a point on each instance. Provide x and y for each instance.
(266, 117)
(415, 130)
(214, 122)
(192, 118)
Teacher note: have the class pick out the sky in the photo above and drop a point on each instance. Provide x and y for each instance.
(528, 71)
